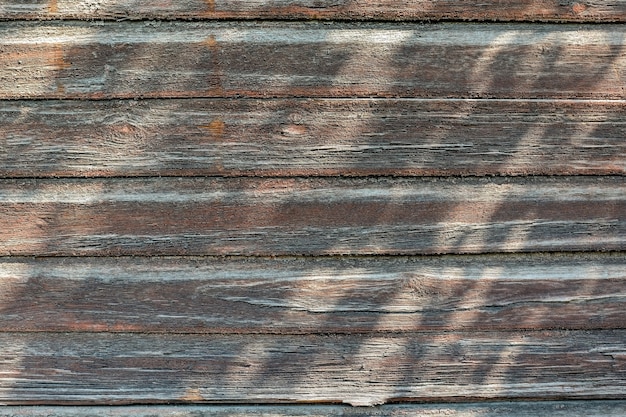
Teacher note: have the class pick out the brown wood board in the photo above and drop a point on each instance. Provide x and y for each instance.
(283, 132)
(491, 10)
(296, 59)
(293, 216)
(314, 295)
(104, 368)
(305, 137)
(611, 408)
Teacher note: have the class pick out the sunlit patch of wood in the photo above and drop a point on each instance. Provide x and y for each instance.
(294, 129)
(192, 395)
(53, 7)
(579, 8)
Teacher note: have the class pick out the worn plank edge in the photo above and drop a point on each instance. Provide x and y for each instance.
(589, 408)
(66, 64)
(287, 137)
(339, 216)
(454, 366)
(307, 295)
(527, 10)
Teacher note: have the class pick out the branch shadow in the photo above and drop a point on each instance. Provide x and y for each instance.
(425, 343)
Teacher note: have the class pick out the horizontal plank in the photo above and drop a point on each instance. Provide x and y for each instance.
(524, 10)
(251, 216)
(614, 408)
(105, 368)
(313, 295)
(311, 137)
(295, 59)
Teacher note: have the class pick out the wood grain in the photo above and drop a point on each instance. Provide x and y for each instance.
(239, 216)
(615, 408)
(295, 59)
(311, 295)
(90, 368)
(508, 10)
(176, 178)
(307, 137)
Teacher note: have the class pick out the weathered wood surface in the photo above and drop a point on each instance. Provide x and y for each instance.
(305, 137)
(355, 369)
(524, 10)
(287, 59)
(252, 216)
(226, 97)
(614, 408)
(313, 295)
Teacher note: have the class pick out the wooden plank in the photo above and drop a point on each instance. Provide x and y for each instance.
(314, 295)
(524, 10)
(614, 408)
(105, 368)
(251, 216)
(306, 137)
(287, 59)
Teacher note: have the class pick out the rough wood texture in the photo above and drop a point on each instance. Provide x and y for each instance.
(311, 137)
(232, 91)
(613, 408)
(355, 369)
(234, 59)
(203, 216)
(525, 10)
(309, 295)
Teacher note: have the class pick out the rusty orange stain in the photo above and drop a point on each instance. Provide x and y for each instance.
(216, 127)
(124, 129)
(192, 394)
(579, 8)
(58, 58)
(211, 42)
(57, 61)
(215, 79)
(53, 7)
(16, 55)
(210, 5)
(295, 129)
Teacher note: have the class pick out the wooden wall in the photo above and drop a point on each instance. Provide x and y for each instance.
(298, 204)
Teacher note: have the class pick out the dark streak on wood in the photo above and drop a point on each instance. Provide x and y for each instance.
(311, 137)
(355, 369)
(489, 10)
(203, 216)
(313, 295)
(281, 59)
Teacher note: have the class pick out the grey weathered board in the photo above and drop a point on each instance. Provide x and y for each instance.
(310, 216)
(314, 295)
(289, 137)
(524, 10)
(614, 408)
(364, 369)
(131, 157)
(298, 59)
